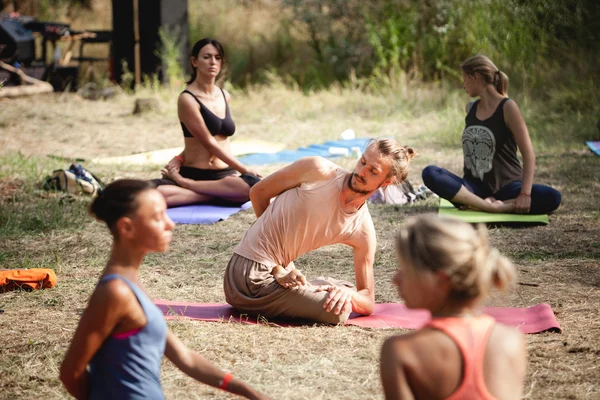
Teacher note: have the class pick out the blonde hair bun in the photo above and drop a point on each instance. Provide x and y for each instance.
(458, 249)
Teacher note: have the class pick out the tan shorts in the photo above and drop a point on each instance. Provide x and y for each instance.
(251, 288)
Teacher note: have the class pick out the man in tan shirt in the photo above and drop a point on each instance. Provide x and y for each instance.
(316, 203)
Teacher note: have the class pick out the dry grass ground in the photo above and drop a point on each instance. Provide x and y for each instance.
(558, 263)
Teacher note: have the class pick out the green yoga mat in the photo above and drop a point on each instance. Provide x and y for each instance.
(448, 210)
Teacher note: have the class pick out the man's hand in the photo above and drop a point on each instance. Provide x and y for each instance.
(339, 300)
(288, 279)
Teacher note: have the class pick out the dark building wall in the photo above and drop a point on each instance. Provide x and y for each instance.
(152, 15)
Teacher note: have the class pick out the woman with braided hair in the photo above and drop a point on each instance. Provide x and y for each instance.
(493, 180)
(448, 267)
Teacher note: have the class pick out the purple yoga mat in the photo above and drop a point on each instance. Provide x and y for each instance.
(538, 318)
(203, 213)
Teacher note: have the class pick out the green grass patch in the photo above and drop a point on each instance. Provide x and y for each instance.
(542, 255)
(31, 169)
(25, 208)
(30, 215)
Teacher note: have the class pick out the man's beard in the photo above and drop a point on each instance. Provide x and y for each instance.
(355, 190)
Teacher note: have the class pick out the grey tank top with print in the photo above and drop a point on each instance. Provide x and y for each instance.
(490, 150)
(129, 368)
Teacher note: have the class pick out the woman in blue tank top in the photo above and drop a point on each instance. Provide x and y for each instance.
(493, 179)
(206, 171)
(117, 349)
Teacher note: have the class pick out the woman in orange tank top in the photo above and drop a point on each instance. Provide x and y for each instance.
(448, 267)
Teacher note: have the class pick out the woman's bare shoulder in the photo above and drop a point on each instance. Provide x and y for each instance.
(187, 100)
(507, 340)
(114, 292)
(227, 95)
(401, 345)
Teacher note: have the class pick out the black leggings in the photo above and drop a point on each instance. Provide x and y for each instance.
(445, 184)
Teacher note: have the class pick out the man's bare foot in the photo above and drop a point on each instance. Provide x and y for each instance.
(289, 279)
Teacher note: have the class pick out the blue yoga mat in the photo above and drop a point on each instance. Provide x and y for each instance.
(594, 146)
(288, 156)
(203, 213)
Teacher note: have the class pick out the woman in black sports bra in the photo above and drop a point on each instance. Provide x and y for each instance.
(493, 179)
(206, 171)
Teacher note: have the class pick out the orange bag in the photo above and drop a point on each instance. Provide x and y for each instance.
(28, 279)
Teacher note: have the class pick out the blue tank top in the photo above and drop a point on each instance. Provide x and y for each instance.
(129, 368)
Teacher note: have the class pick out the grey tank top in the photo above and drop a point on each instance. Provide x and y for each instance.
(129, 367)
(490, 150)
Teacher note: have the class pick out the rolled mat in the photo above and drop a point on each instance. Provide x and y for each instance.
(239, 147)
(288, 156)
(535, 319)
(448, 210)
(204, 213)
(594, 146)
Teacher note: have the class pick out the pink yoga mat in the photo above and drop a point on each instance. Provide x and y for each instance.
(538, 318)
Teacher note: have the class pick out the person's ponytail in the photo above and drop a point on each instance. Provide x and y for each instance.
(460, 250)
(503, 271)
(501, 82)
(490, 74)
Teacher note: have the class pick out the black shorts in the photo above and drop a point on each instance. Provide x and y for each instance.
(198, 174)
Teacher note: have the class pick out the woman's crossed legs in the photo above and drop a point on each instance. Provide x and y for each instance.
(179, 190)
(462, 191)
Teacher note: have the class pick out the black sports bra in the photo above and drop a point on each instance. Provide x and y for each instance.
(215, 125)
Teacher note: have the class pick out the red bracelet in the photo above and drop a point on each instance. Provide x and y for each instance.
(524, 194)
(179, 158)
(224, 383)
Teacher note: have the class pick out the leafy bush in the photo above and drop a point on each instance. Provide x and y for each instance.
(319, 42)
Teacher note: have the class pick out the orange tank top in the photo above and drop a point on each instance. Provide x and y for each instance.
(471, 337)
